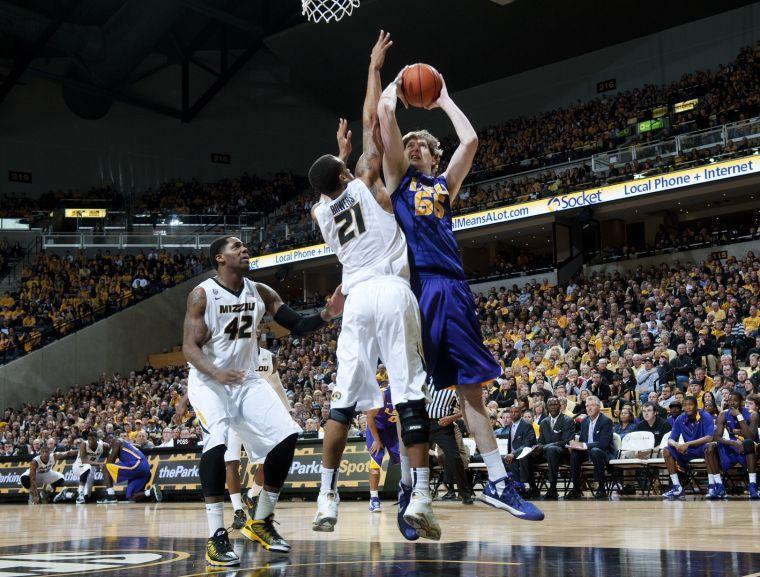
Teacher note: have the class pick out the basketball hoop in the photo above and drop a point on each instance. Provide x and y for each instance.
(328, 10)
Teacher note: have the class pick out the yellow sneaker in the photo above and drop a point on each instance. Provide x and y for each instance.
(262, 531)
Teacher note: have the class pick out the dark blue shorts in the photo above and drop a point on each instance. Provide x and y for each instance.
(389, 439)
(729, 457)
(451, 336)
(691, 453)
(136, 477)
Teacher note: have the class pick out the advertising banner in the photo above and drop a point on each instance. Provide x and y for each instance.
(628, 189)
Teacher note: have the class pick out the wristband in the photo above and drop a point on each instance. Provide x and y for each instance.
(739, 418)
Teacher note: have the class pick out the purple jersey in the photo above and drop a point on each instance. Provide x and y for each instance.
(386, 417)
(422, 207)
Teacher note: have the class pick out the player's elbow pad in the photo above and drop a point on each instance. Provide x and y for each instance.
(297, 324)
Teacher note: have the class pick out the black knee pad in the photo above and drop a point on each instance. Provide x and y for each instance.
(343, 416)
(25, 482)
(84, 476)
(278, 462)
(58, 483)
(749, 447)
(415, 423)
(212, 471)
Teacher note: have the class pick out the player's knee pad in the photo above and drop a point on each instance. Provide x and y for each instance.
(343, 416)
(84, 476)
(749, 447)
(278, 461)
(57, 483)
(415, 423)
(25, 482)
(212, 471)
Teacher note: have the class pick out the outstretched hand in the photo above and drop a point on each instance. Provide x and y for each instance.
(444, 95)
(377, 57)
(344, 140)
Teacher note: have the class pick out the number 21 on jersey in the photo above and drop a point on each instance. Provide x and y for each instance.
(350, 223)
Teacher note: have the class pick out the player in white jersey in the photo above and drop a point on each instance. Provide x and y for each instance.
(268, 369)
(381, 316)
(226, 390)
(41, 473)
(91, 453)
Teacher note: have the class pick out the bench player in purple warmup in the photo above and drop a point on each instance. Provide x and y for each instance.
(452, 339)
(382, 437)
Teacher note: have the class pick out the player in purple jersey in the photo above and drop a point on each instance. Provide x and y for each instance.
(452, 339)
(733, 444)
(382, 436)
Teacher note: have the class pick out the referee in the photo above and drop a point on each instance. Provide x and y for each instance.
(443, 412)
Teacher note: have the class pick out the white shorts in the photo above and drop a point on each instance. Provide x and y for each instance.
(252, 409)
(233, 448)
(381, 319)
(45, 478)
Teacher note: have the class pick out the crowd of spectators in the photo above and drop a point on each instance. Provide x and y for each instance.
(58, 294)
(653, 334)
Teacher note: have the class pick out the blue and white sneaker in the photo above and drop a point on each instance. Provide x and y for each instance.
(720, 491)
(712, 495)
(509, 500)
(752, 490)
(676, 492)
(404, 496)
(374, 505)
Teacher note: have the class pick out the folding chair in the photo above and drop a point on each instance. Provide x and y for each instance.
(655, 465)
(637, 442)
(474, 469)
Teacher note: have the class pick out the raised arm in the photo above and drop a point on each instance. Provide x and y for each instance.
(461, 160)
(298, 324)
(395, 162)
(370, 162)
(196, 334)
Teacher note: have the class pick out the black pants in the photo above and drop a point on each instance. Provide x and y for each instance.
(554, 456)
(453, 465)
(522, 469)
(598, 457)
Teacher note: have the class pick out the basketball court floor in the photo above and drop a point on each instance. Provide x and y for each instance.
(691, 538)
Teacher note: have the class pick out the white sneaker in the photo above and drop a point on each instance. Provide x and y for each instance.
(327, 512)
(419, 514)
(80, 499)
(63, 495)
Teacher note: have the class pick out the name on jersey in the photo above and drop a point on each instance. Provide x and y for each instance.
(237, 308)
(343, 204)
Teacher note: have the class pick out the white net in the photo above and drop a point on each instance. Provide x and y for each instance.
(328, 10)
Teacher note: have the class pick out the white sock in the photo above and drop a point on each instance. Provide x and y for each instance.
(265, 506)
(718, 480)
(421, 476)
(374, 494)
(406, 471)
(710, 479)
(81, 488)
(674, 480)
(753, 477)
(110, 492)
(255, 490)
(495, 466)
(237, 501)
(329, 480)
(215, 516)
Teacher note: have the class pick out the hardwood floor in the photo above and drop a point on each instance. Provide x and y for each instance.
(632, 537)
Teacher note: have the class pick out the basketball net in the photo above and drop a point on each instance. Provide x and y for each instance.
(327, 10)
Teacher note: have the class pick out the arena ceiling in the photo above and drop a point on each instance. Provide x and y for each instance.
(111, 44)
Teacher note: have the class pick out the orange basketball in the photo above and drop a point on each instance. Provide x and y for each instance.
(421, 85)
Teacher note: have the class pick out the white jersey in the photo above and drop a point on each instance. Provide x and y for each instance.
(266, 365)
(44, 467)
(366, 239)
(232, 320)
(91, 457)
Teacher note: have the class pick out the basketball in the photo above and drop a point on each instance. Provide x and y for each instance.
(421, 85)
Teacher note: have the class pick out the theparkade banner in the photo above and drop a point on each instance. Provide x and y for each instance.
(629, 189)
(176, 472)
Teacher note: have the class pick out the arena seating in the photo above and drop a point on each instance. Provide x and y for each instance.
(621, 318)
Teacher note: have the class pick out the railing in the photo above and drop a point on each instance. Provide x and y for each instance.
(700, 139)
(136, 240)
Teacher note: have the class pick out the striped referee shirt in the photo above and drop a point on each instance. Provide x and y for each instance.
(443, 404)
